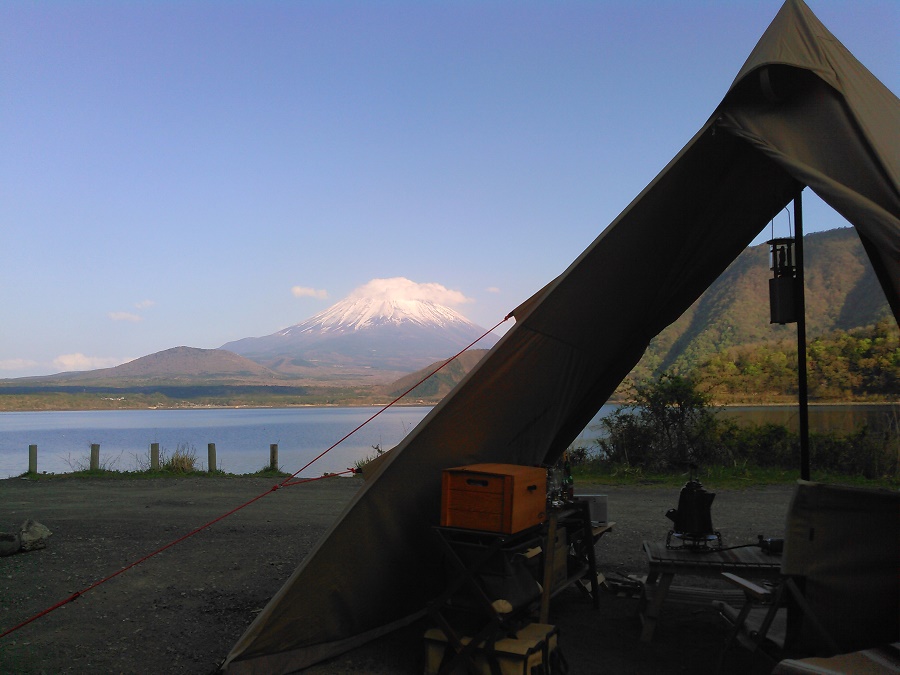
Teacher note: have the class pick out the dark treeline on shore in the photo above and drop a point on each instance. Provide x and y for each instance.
(670, 423)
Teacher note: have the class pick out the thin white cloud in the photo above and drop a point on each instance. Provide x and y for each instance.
(144, 304)
(492, 289)
(69, 362)
(125, 316)
(307, 292)
(402, 288)
(17, 364)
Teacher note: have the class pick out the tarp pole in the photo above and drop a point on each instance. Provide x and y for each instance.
(802, 392)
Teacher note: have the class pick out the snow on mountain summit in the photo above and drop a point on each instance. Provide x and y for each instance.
(387, 323)
(385, 302)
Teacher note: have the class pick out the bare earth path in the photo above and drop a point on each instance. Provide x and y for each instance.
(181, 611)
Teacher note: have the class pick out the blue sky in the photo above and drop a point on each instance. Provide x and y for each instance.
(190, 173)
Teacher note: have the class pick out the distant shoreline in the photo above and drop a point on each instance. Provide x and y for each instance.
(126, 406)
(211, 406)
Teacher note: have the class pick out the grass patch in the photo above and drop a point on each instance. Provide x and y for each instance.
(182, 460)
(268, 472)
(722, 477)
(361, 464)
(83, 464)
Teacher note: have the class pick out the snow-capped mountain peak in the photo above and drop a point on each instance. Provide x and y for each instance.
(387, 323)
(387, 302)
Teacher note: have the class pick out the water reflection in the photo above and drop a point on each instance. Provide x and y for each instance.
(842, 418)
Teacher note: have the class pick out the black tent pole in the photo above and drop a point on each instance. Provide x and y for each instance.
(801, 340)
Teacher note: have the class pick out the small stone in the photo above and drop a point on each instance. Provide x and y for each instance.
(33, 535)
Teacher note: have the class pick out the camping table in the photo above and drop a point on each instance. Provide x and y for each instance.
(665, 563)
(470, 553)
(582, 535)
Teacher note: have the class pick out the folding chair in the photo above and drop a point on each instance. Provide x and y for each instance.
(839, 578)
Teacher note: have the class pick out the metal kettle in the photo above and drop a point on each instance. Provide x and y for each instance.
(692, 519)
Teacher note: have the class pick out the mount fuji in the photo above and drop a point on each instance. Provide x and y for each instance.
(388, 325)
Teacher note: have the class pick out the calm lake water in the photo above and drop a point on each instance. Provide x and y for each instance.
(822, 418)
(242, 436)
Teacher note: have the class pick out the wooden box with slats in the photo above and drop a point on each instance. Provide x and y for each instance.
(504, 498)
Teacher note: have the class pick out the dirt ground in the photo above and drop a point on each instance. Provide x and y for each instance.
(181, 611)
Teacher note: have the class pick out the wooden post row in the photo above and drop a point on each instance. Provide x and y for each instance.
(154, 457)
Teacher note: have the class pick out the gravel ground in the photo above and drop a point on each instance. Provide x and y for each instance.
(181, 611)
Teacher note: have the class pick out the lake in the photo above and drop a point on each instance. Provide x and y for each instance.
(823, 418)
(242, 436)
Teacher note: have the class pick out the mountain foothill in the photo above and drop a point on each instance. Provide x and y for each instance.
(366, 349)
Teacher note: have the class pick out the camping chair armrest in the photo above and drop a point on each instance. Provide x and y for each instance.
(751, 590)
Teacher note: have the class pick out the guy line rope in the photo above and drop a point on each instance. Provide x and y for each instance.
(287, 482)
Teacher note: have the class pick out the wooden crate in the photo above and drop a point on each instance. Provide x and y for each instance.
(518, 655)
(504, 498)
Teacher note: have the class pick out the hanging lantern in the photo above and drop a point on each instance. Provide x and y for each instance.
(782, 285)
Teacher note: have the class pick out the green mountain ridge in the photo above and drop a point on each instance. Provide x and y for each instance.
(842, 293)
(438, 385)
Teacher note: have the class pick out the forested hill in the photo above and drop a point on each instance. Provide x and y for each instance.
(725, 339)
(861, 365)
(842, 293)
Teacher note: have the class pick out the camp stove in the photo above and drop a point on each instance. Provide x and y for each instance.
(693, 520)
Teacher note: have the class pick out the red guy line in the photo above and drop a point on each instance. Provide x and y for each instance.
(287, 482)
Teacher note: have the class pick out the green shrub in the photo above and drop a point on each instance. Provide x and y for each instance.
(361, 464)
(182, 460)
(670, 424)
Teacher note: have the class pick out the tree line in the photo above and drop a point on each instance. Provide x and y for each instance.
(856, 365)
(670, 423)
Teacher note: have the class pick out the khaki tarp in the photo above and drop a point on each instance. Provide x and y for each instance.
(802, 112)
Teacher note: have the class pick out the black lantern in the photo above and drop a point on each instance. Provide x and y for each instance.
(787, 302)
(782, 285)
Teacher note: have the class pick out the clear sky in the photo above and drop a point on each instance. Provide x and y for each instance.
(190, 173)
